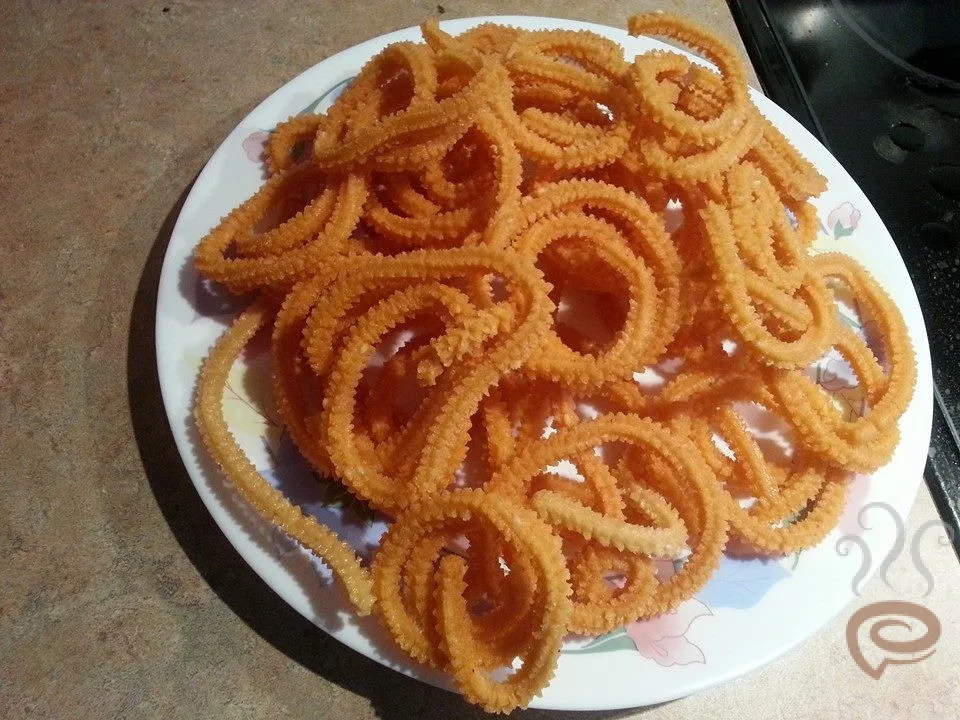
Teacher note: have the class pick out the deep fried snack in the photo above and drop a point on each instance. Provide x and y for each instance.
(465, 263)
(867, 442)
(268, 501)
(293, 247)
(545, 615)
(658, 460)
(806, 316)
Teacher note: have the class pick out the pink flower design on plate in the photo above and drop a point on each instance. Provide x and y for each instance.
(843, 220)
(663, 638)
(254, 145)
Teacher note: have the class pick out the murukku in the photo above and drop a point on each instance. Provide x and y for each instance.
(269, 501)
(531, 301)
(457, 513)
(299, 242)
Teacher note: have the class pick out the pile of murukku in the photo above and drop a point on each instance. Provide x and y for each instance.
(472, 265)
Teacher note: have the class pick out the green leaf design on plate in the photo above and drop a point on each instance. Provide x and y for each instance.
(853, 323)
(313, 106)
(796, 560)
(839, 231)
(335, 494)
(616, 640)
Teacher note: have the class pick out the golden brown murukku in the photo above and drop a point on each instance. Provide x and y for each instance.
(269, 501)
(455, 514)
(527, 299)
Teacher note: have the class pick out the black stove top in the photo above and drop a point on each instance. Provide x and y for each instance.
(878, 82)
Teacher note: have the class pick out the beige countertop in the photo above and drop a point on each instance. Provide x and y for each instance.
(119, 596)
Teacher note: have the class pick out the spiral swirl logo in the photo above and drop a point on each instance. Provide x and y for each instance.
(886, 614)
(869, 636)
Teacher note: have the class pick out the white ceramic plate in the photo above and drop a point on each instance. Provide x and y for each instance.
(749, 613)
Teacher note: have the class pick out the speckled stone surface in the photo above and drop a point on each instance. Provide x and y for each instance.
(119, 597)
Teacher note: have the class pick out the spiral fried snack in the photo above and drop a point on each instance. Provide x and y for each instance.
(464, 264)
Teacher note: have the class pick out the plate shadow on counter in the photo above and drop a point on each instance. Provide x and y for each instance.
(393, 696)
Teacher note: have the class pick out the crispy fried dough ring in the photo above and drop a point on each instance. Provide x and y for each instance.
(268, 501)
